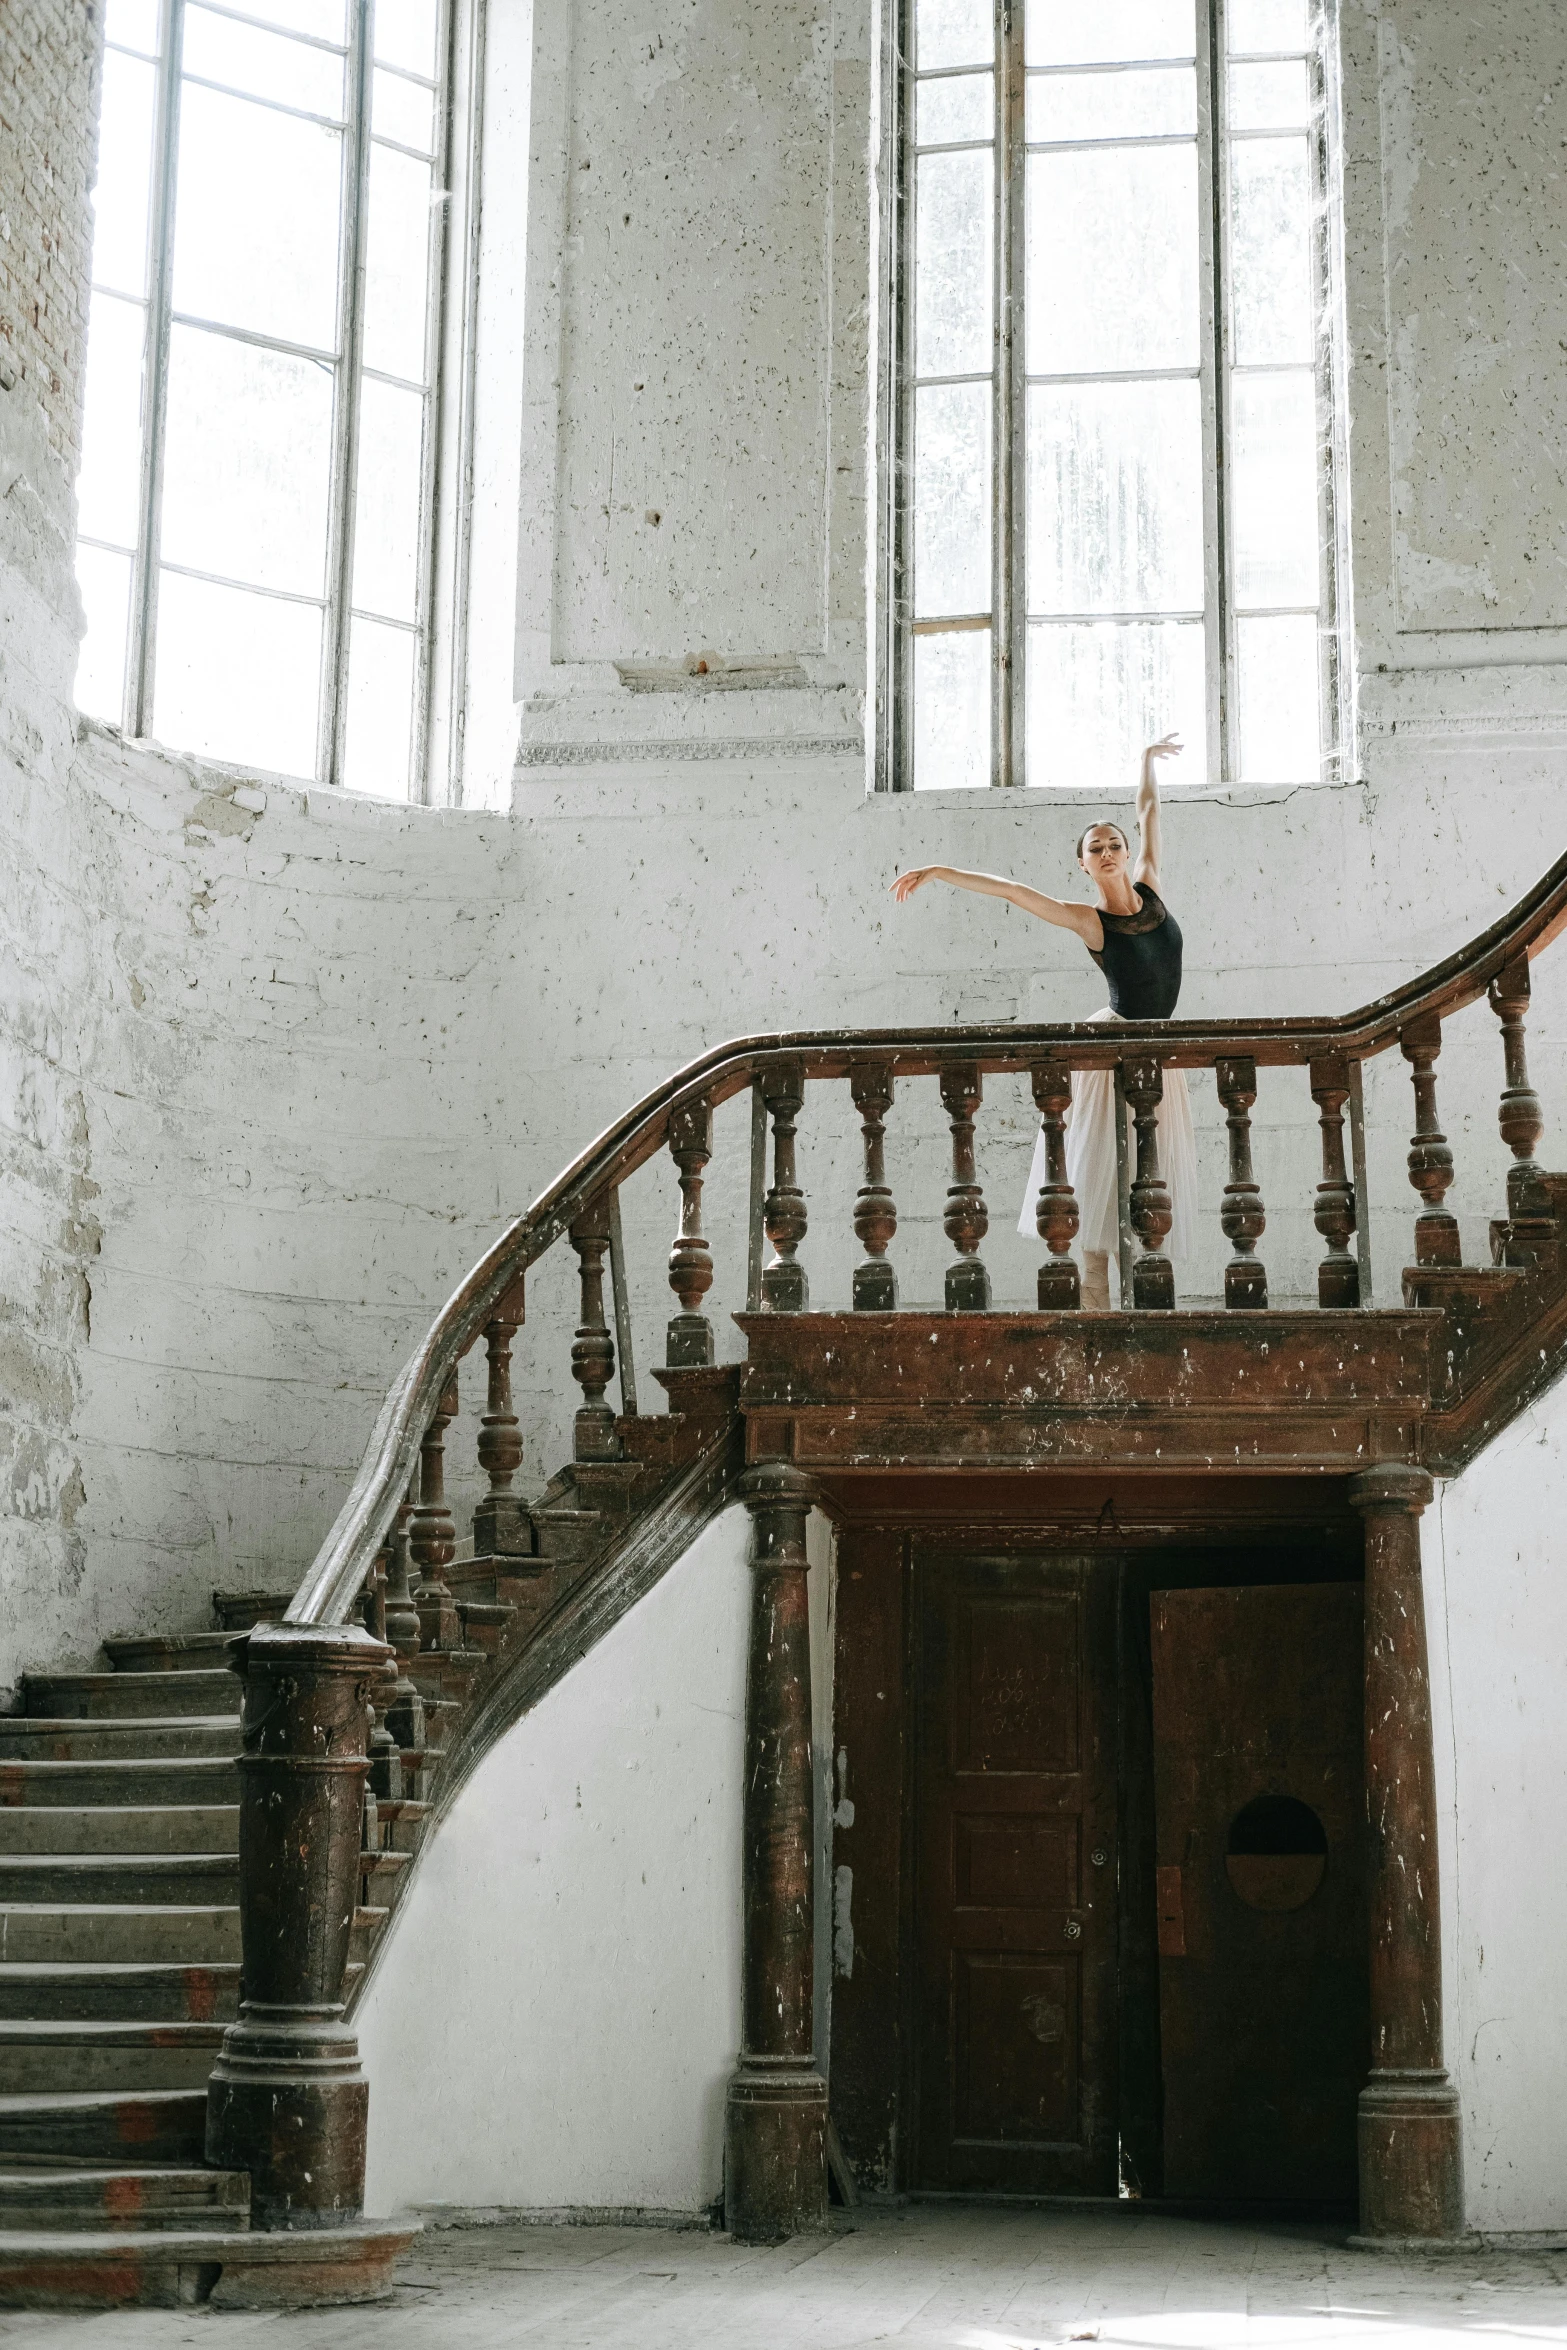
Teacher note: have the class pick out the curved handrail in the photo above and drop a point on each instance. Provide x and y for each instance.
(338, 1572)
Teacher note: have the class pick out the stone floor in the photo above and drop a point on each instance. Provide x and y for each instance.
(925, 2277)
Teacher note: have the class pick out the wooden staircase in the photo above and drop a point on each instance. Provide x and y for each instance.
(119, 1893)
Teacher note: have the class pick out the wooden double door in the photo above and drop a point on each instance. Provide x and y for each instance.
(1134, 1915)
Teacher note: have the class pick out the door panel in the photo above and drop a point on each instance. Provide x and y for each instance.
(1016, 1876)
(1259, 1795)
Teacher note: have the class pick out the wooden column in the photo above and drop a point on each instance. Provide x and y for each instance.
(498, 1523)
(287, 2101)
(784, 1286)
(1242, 1216)
(405, 1712)
(1055, 1214)
(1411, 2185)
(433, 1532)
(1430, 1160)
(1338, 1275)
(1530, 1236)
(592, 1348)
(1153, 1275)
(875, 1288)
(690, 1260)
(966, 1220)
(775, 2167)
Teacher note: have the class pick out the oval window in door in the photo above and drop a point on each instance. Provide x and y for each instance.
(1277, 1852)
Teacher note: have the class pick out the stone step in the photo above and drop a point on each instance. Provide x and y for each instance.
(71, 1739)
(103, 1827)
(401, 1823)
(171, 1652)
(164, 2125)
(173, 2267)
(110, 1993)
(57, 1933)
(155, 2197)
(237, 1611)
(125, 1782)
(485, 1623)
(119, 1696)
(98, 1878)
(38, 2058)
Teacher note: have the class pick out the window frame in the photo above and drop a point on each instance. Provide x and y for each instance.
(895, 628)
(457, 22)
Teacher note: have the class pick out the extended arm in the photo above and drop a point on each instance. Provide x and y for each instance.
(1066, 916)
(1150, 855)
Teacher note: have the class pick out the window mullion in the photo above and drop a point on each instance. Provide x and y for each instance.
(1007, 485)
(1335, 671)
(439, 268)
(1212, 211)
(475, 26)
(898, 313)
(345, 403)
(141, 652)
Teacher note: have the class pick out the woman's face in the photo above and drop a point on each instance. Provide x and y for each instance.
(1104, 853)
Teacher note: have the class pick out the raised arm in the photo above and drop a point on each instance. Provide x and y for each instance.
(1150, 849)
(1066, 916)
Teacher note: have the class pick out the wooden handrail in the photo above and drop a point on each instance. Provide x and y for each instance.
(335, 1578)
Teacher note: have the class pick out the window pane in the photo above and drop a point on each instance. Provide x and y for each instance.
(247, 456)
(105, 582)
(403, 110)
(1273, 97)
(952, 500)
(380, 710)
(1266, 24)
(405, 34)
(237, 675)
(1273, 489)
(1270, 251)
(1115, 498)
(952, 710)
(952, 308)
(1065, 32)
(954, 32)
(323, 19)
(962, 108)
(386, 527)
(108, 486)
(1112, 260)
(1112, 105)
(397, 264)
(1280, 713)
(135, 22)
(267, 64)
(119, 246)
(1097, 694)
(255, 241)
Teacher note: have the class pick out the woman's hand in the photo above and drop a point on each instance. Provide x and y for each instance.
(1168, 747)
(907, 883)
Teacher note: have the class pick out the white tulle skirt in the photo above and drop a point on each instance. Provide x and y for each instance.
(1090, 1160)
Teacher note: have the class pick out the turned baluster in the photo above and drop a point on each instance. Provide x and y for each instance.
(784, 1286)
(405, 1713)
(1153, 1275)
(593, 1349)
(1430, 1160)
(385, 1780)
(1055, 1216)
(690, 1260)
(1338, 1275)
(875, 1214)
(497, 1522)
(1241, 1217)
(966, 1219)
(433, 1535)
(1518, 1115)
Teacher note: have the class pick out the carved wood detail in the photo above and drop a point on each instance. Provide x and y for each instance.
(690, 1260)
(784, 1286)
(875, 1289)
(1056, 1213)
(1242, 1216)
(593, 1349)
(1430, 1160)
(1153, 1275)
(1338, 1275)
(433, 1534)
(966, 1219)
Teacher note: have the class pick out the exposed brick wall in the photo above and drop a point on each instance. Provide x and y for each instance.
(49, 64)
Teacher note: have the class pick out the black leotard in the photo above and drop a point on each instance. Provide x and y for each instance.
(1141, 958)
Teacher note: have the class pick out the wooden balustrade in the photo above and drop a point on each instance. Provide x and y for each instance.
(1242, 1216)
(967, 1219)
(1153, 1275)
(593, 1349)
(784, 1286)
(433, 1534)
(1056, 1217)
(875, 1213)
(405, 1712)
(690, 1260)
(1338, 1275)
(1430, 1160)
(497, 1520)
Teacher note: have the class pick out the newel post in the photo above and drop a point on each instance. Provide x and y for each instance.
(1411, 2181)
(775, 2139)
(287, 2101)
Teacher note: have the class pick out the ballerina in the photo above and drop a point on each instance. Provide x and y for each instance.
(1136, 942)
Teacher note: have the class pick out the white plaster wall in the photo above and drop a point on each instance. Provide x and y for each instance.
(1496, 1578)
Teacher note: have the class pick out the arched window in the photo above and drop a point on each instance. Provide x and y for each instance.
(257, 494)
(1111, 407)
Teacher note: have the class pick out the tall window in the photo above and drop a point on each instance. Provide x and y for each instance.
(1112, 508)
(257, 479)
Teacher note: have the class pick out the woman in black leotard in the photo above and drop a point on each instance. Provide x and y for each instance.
(1136, 942)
